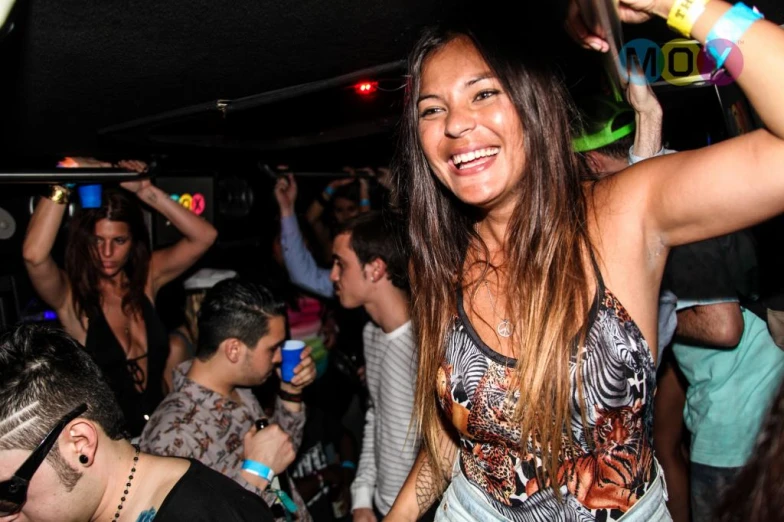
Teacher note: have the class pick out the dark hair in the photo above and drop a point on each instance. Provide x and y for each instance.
(81, 257)
(348, 191)
(600, 113)
(45, 374)
(757, 494)
(380, 235)
(546, 243)
(235, 308)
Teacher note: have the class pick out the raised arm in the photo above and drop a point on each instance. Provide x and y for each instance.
(686, 197)
(426, 482)
(647, 118)
(48, 279)
(199, 235)
(739, 182)
(302, 268)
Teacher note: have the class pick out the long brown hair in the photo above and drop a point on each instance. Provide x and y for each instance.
(82, 262)
(546, 243)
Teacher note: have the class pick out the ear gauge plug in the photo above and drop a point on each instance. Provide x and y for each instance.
(83, 459)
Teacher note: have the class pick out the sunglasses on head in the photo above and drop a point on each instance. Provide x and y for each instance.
(13, 492)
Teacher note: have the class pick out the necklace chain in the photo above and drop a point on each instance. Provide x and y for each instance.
(504, 327)
(127, 484)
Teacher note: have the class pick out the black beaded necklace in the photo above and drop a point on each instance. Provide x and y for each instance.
(128, 484)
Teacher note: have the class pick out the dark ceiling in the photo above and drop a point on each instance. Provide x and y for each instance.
(76, 72)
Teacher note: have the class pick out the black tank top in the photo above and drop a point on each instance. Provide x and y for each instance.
(118, 371)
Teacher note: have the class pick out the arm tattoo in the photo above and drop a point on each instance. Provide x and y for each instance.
(430, 483)
(151, 197)
(147, 516)
(426, 488)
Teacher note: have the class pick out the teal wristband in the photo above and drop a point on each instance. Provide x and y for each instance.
(258, 469)
(364, 202)
(348, 464)
(730, 27)
(330, 190)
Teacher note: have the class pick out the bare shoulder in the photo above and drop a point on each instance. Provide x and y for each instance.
(615, 208)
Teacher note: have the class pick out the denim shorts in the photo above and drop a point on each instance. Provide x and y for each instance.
(464, 502)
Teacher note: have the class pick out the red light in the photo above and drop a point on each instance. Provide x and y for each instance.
(365, 88)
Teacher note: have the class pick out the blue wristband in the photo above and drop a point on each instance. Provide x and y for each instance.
(730, 27)
(348, 464)
(330, 190)
(258, 469)
(364, 202)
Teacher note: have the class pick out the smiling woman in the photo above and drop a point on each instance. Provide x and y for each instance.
(534, 380)
(468, 127)
(104, 297)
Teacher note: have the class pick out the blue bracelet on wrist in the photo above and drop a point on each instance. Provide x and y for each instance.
(348, 464)
(364, 202)
(330, 190)
(730, 27)
(258, 469)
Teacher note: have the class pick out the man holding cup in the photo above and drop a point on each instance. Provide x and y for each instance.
(211, 415)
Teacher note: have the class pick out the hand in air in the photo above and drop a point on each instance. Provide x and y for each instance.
(629, 11)
(138, 167)
(286, 194)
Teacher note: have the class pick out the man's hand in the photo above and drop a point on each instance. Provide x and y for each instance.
(640, 94)
(270, 446)
(364, 515)
(647, 114)
(286, 194)
(304, 374)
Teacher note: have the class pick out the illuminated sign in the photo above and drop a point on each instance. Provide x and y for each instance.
(196, 203)
(682, 62)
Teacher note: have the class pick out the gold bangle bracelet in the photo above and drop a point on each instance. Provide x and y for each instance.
(59, 194)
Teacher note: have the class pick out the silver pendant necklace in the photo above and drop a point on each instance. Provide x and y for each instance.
(504, 327)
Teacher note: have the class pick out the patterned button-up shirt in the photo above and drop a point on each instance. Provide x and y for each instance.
(194, 421)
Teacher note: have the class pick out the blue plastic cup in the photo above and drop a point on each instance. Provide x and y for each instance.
(292, 356)
(90, 196)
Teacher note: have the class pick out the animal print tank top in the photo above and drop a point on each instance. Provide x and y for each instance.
(608, 473)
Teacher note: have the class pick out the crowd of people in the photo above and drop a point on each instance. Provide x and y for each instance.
(539, 313)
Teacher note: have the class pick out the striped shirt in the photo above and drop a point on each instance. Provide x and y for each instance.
(389, 443)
